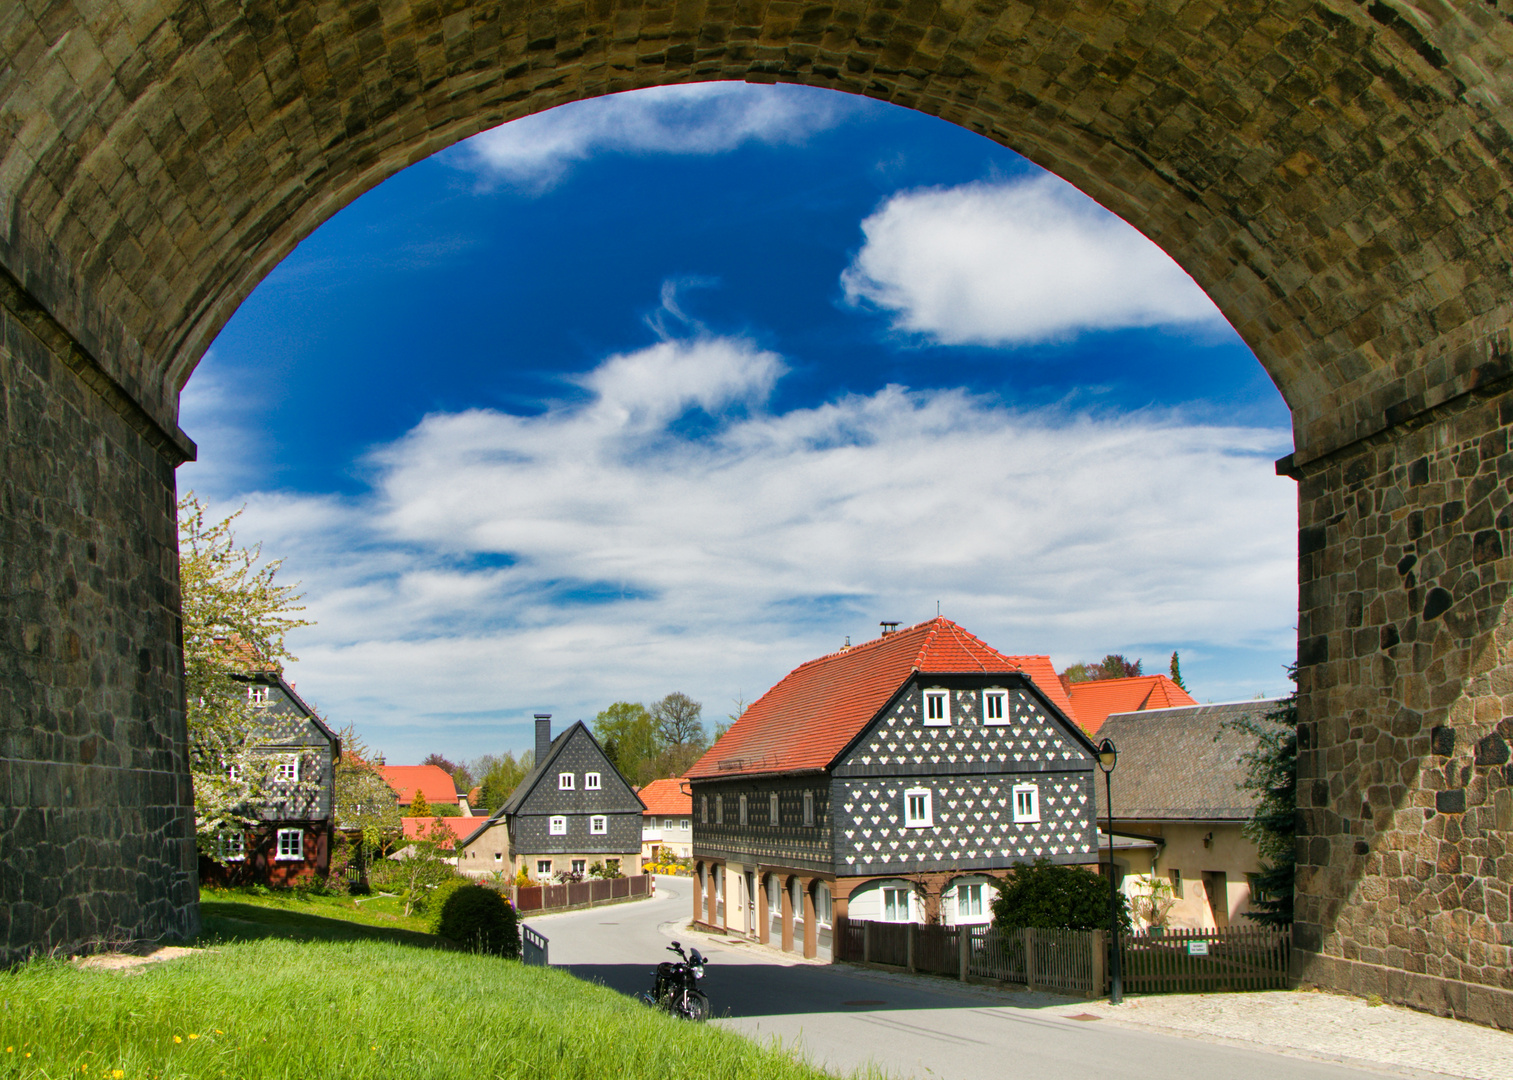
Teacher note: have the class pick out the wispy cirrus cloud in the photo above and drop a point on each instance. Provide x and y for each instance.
(535, 152)
(604, 549)
(1014, 263)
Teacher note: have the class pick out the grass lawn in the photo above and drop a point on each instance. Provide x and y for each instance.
(245, 914)
(299, 996)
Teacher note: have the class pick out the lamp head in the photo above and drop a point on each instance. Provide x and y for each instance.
(1107, 755)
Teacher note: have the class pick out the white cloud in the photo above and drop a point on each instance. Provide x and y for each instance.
(536, 151)
(599, 551)
(1015, 263)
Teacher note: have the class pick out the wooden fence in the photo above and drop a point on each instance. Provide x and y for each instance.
(1204, 961)
(576, 894)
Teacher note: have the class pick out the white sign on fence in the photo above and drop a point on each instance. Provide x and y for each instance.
(1197, 948)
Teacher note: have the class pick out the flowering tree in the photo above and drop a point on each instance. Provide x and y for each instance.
(234, 621)
(367, 808)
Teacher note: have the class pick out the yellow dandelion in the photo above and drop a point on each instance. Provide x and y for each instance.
(117, 1074)
(177, 1039)
(218, 1031)
(192, 1035)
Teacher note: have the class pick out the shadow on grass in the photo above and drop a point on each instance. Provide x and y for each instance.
(230, 920)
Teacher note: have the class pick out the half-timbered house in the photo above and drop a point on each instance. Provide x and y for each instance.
(891, 780)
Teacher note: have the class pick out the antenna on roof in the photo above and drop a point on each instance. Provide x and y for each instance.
(889, 628)
(937, 609)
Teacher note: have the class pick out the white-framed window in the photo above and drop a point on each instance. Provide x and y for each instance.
(684, 826)
(258, 695)
(591, 781)
(1026, 803)
(895, 904)
(291, 844)
(233, 845)
(995, 707)
(233, 773)
(969, 901)
(543, 867)
(808, 808)
(499, 856)
(287, 771)
(822, 910)
(917, 810)
(580, 866)
(558, 825)
(598, 824)
(937, 708)
(719, 809)
(772, 808)
(564, 781)
(743, 809)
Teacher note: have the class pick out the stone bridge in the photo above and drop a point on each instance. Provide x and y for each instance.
(1335, 174)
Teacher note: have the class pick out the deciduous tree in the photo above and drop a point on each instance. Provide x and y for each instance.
(1272, 773)
(499, 775)
(630, 739)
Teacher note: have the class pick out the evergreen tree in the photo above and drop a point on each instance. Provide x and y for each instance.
(420, 806)
(1272, 773)
(1177, 671)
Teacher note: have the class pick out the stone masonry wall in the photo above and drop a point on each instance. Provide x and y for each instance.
(96, 839)
(1406, 713)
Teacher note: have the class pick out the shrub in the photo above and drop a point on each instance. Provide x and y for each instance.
(1047, 896)
(478, 918)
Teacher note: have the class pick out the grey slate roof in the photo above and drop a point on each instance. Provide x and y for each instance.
(1181, 764)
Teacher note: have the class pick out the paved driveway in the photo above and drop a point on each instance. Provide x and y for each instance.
(910, 1026)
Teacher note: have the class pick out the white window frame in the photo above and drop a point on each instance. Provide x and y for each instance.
(233, 773)
(921, 821)
(1004, 718)
(543, 867)
(565, 781)
(1031, 813)
(499, 856)
(893, 892)
(944, 698)
(809, 808)
(969, 891)
(229, 841)
(774, 811)
(257, 695)
(598, 825)
(557, 825)
(580, 866)
(287, 770)
(287, 839)
(591, 781)
(684, 826)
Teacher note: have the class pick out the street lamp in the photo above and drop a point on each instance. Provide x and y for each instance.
(1108, 757)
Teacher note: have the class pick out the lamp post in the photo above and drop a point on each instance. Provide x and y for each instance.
(1108, 757)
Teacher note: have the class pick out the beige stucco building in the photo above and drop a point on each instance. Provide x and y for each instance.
(1179, 809)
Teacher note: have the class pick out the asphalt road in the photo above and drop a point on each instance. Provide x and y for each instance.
(908, 1026)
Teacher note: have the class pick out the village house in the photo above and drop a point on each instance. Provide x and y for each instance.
(292, 840)
(432, 781)
(891, 780)
(1094, 700)
(573, 809)
(667, 825)
(1179, 808)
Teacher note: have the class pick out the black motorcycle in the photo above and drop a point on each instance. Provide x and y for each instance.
(675, 986)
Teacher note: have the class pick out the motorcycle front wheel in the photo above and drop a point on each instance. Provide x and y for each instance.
(696, 1006)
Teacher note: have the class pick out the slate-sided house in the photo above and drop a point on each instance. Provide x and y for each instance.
(292, 841)
(1179, 808)
(891, 780)
(573, 809)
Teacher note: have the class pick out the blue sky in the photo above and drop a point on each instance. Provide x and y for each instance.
(674, 390)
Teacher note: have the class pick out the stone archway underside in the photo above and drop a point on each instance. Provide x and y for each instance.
(1335, 174)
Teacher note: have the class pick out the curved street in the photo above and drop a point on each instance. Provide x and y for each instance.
(845, 1018)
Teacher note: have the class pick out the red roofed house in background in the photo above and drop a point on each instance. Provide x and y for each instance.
(432, 780)
(1095, 700)
(888, 781)
(668, 820)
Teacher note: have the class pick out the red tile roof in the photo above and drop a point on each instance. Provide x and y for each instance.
(809, 717)
(431, 779)
(1095, 700)
(667, 797)
(460, 827)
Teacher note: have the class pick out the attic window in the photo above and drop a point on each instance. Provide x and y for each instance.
(591, 781)
(258, 695)
(1026, 803)
(564, 781)
(917, 810)
(598, 825)
(937, 708)
(772, 808)
(559, 825)
(288, 769)
(995, 707)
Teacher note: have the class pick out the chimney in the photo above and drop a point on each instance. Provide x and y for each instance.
(889, 628)
(543, 735)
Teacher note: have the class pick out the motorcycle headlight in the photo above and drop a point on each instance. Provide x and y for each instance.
(698, 972)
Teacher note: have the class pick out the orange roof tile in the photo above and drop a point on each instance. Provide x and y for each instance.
(431, 779)
(460, 827)
(671, 796)
(809, 717)
(1095, 700)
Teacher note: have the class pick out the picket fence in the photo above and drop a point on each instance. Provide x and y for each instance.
(576, 894)
(1075, 962)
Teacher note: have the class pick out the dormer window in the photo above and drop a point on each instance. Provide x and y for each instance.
(564, 781)
(995, 707)
(937, 708)
(258, 695)
(591, 781)
(1026, 803)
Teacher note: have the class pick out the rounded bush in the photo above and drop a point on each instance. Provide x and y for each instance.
(480, 919)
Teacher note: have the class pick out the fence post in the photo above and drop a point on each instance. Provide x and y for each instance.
(964, 953)
(909, 946)
(867, 942)
(1100, 965)
(1029, 957)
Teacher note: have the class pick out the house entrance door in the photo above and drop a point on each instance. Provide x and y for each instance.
(1216, 885)
(751, 903)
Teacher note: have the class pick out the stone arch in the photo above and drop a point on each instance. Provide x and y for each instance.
(1333, 174)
